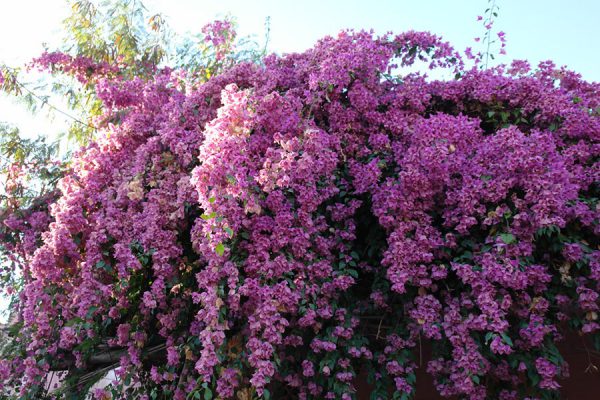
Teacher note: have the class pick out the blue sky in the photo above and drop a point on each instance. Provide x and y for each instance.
(564, 31)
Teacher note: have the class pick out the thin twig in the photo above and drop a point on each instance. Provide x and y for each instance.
(379, 327)
(44, 101)
(420, 352)
(489, 33)
(591, 366)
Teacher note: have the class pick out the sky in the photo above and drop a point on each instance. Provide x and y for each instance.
(566, 32)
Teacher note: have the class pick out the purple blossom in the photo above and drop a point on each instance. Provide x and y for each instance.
(318, 206)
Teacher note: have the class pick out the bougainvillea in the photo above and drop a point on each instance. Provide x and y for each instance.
(281, 228)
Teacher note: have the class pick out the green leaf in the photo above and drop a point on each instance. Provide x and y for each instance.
(508, 238)
(91, 311)
(103, 265)
(353, 273)
(507, 339)
(231, 179)
(206, 217)
(220, 249)
(74, 321)
(208, 394)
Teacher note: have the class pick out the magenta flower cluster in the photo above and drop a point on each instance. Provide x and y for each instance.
(282, 227)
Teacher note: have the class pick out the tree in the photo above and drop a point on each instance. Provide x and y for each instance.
(243, 229)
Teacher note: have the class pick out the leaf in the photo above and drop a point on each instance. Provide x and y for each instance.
(103, 265)
(220, 249)
(230, 179)
(506, 339)
(508, 238)
(74, 321)
(91, 311)
(206, 217)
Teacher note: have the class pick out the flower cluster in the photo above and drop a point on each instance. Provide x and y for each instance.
(220, 36)
(82, 68)
(282, 227)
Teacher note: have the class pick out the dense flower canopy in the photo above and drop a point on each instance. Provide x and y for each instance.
(280, 228)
